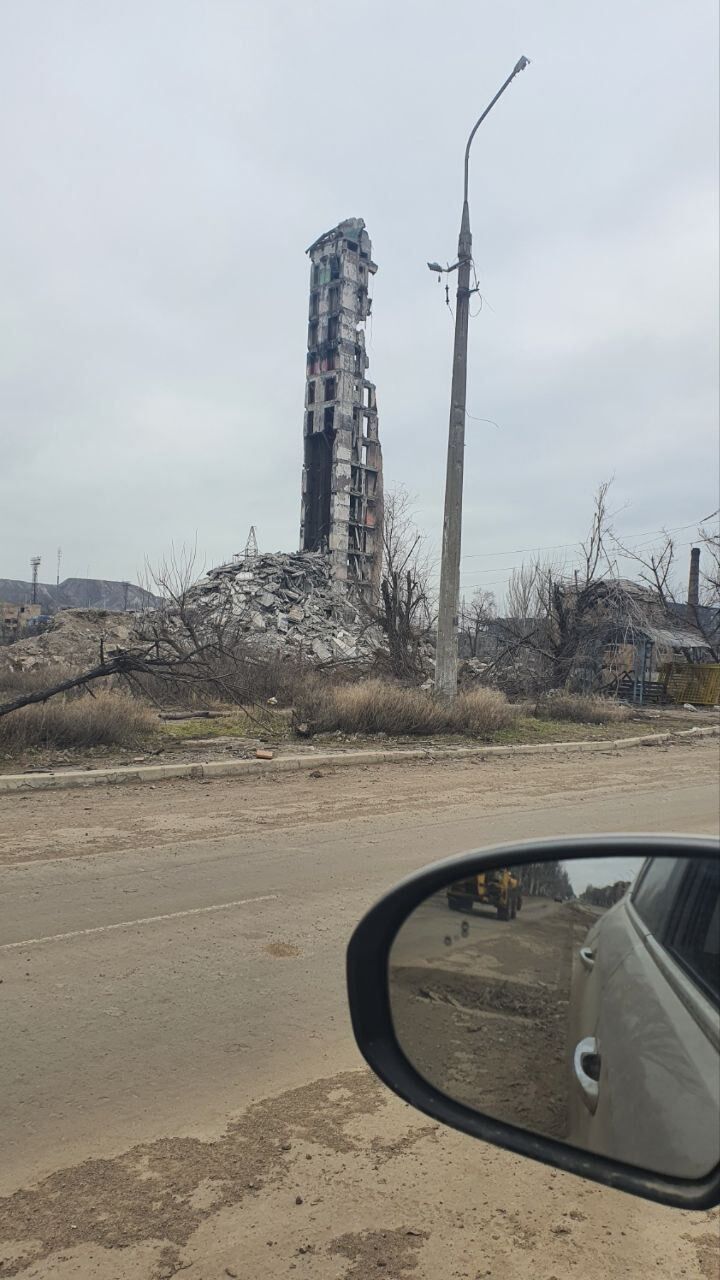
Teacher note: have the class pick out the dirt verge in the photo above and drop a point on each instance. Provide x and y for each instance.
(107, 819)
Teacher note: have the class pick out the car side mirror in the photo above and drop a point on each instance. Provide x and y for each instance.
(559, 999)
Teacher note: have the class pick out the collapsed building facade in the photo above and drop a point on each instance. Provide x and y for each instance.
(341, 508)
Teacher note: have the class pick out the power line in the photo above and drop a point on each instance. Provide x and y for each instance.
(468, 581)
(562, 546)
(577, 560)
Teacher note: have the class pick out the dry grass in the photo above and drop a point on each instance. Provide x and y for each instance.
(242, 678)
(582, 708)
(377, 707)
(107, 719)
(13, 684)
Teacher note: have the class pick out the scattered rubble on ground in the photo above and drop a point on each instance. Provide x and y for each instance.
(289, 601)
(472, 671)
(72, 640)
(283, 602)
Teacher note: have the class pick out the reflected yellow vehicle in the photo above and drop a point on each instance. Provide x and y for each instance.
(497, 888)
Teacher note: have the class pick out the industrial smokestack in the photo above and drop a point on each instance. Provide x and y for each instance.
(694, 579)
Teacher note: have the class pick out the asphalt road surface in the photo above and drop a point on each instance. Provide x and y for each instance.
(178, 1074)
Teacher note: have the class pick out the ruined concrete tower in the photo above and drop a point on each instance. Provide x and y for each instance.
(342, 468)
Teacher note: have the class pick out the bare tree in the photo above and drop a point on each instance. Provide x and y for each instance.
(658, 571)
(546, 879)
(402, 608)
(180, 645)
(552, 616)
(476, 616)
(710, 573)
(655, 566)
(524, 598)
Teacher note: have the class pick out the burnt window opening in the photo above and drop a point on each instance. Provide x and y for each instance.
(314, 304)
(313, 332)
(310, 422)
(330, 388)
(315, 276)
(311, 393)
(334, 268)
(332, 329)
(352, 246)
(329, 419)
(334, 297)
(318, 471)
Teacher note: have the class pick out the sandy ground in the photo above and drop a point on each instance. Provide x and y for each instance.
(181, 1094)
(481, 1007)
(107, 819)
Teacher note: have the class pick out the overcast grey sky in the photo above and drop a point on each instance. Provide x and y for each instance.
(601, 871)
(164, 165)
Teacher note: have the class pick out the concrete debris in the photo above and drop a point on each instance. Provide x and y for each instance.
(472, 671)
(72, 640)
(289, 601)
(285, 602)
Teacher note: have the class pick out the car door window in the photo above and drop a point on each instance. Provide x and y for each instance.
(693, 934)
(654, 895)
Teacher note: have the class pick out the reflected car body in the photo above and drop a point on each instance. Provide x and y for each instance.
(645, 1028)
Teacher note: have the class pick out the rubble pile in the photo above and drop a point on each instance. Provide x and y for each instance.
(286, 602)
(289, 600)
(72, 640)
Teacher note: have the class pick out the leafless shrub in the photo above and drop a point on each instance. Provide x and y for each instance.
(581, 708)
(375, 706)
(107, 719)
(253, 679)
(481, 712)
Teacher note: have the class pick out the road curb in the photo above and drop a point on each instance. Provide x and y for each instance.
(72, 778)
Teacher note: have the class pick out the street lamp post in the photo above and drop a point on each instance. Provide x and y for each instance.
(446, 658)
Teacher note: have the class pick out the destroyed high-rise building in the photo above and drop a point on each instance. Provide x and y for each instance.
(342, 467)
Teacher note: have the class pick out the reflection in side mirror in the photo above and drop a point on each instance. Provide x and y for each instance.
(575, 999)
(560, 999)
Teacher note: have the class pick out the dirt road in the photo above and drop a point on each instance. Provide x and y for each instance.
(481, 1008)
(180, 1089)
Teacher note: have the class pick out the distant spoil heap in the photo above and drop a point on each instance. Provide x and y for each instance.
(288, 600)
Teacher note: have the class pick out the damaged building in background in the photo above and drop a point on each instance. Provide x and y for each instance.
(341, 510)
